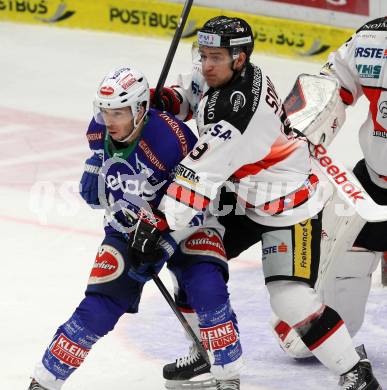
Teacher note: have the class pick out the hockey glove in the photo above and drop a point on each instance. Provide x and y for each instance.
(141, 268)
(88, 187)
(167, 100)
(148, 251)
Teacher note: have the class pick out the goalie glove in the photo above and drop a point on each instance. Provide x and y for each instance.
(315, 108)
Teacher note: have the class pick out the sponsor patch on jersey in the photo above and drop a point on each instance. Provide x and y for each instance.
(369, 71)
(177, 130)
(303, 249)
(277, 253)
(68, 352)
(204, 242)
(380, 134)
(378, 26)
(186, 174)
(281, 248)
(256, 88)
(370, 52)
(222, 131)
(151, 156)
(95, 136)
(237, 100)
(210, 107)
(219, 337)
(109, 265)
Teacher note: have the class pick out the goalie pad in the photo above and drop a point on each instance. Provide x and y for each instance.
(315, 108)
(345, 272)
(344, 277)
(288, 339)
(346, 285)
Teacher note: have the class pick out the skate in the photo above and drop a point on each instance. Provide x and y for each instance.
(229, 384)
(35, 386)
(189, 372)
(360, 377)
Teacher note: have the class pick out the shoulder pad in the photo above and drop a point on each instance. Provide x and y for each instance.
(237, 102)
(379, 24)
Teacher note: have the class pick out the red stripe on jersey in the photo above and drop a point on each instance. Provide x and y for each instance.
(326, 336)
(373, 95)
(279, 151)
(346, 96)
(188, 197)
(292, 200)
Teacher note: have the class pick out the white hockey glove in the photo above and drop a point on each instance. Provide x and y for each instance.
(315, 108)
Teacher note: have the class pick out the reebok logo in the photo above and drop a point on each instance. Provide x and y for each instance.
(340, 177)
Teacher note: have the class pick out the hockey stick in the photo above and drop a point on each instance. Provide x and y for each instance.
(160, 84)
(180, 317)
(348, 186)
(173, 47)
(178, 314)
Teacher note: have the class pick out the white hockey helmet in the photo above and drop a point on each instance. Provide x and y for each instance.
(122, 87)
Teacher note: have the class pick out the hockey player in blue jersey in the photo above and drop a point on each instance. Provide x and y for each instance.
(136, 154)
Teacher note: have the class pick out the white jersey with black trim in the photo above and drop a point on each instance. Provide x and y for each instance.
(360, 65)
(244, 138)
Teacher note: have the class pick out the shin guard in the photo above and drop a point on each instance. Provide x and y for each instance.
(220, 336)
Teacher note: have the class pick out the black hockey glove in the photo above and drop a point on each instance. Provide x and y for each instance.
(149, 250)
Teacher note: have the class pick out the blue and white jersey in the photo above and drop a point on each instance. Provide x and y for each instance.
(137, 176)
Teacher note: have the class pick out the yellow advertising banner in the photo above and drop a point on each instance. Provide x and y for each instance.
(155, 18)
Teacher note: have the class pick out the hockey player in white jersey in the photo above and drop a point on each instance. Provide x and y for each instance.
(345, 274)
(245, 140)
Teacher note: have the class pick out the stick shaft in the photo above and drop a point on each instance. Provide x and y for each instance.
(173, 47)
(180, 316)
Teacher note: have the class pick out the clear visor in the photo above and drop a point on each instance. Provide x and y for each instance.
(206, 55)
(113, 116)
(98, 115)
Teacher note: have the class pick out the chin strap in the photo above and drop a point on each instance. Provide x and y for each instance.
(131, 137)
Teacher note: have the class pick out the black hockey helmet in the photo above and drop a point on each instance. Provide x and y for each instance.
(232, 33)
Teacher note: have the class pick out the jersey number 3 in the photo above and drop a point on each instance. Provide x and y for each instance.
(198, 151)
